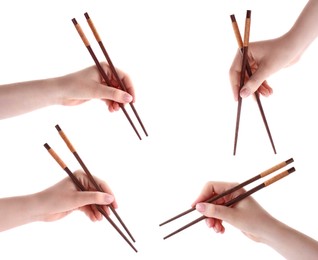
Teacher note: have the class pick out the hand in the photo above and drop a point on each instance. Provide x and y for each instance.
(265, 58)
(87, 84)
(61, 199)
(246, 215)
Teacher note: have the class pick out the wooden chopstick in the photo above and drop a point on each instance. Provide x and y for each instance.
(240, 197)
(82, 188)
(90, 176)
(101, 70)
(249, 72)
(243, 72)
(241, 185)
(112, 67)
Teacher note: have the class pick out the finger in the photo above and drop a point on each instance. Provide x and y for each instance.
(92, 197)
(128, 83)
(112, 106)
(216, 211)
(265, 89)
(111, 93)
(211, 189)
(254, 82)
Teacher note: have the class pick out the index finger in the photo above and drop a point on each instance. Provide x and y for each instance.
(127, 82)
(211, 189)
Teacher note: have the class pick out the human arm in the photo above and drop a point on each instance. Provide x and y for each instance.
(71, 89)
(255, 222)
(55, 203)
(269, 56)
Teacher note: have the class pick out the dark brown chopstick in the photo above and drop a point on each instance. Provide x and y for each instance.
(90, 176)
(101, 70)
(249, 72)
(82, 188)
(243, 72)
(240, 197)
(214, 198)
(112, 67)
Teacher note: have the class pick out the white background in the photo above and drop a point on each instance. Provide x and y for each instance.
(178, 54)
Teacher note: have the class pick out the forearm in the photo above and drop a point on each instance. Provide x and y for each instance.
(305, 29)
(17, 211)
(24, 97)
(290, 243)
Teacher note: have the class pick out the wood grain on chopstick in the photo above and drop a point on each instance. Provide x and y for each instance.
(235, 188)
(239, 198)
(101, 70)
(255, 178)
(90, 176)
(249, 72)
(112, 67)
(79, 185)
(242, 78)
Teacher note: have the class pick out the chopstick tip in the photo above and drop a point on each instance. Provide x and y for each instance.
(74, 21)
(47, 146)
(86, 15)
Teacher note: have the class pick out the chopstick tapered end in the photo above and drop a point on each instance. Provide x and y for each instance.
(233, 18)
(74, 21)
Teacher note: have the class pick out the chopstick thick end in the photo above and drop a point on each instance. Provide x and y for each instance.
(289, 161)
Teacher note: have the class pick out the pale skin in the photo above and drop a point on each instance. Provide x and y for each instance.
(269, 56)
(55, 203)
(266, 58)
(72, 89)
(62, 198)
(255, 222)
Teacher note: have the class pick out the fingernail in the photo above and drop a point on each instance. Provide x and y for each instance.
(108, 198)
(245, 92)
(200, 207)
(127, 98)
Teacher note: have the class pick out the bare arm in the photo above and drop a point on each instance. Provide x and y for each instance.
(71, 89)
(256, 223)
(54, 203)
(269, 56)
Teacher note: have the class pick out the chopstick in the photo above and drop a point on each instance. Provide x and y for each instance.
(242, 78)
(101, 70)
(249, 72)
(82, 188)
(235, 188)
(113, 70)
(90, 176)
(256, 177)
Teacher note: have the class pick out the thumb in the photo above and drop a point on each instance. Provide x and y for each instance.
(253, 83)
(115, 94)
(93, 197)
(215, 211)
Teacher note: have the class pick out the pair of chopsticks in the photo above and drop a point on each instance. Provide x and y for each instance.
(240, 197)
(243, 46)
(92, 180)
(117, 82)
